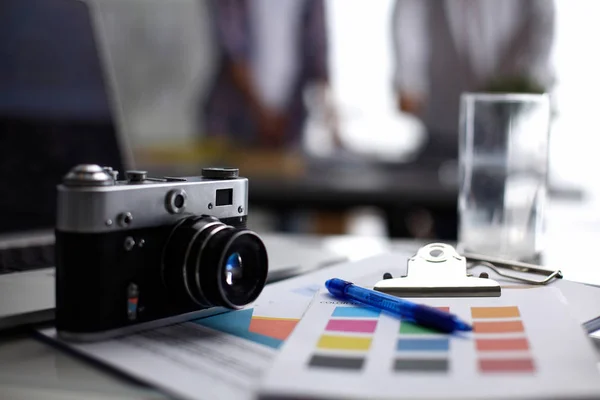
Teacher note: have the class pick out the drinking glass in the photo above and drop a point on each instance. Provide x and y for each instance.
(503, 160)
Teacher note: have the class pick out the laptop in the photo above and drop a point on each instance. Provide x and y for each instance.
(55, 113)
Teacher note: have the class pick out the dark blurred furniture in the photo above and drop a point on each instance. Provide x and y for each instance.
(284, 183)
(425, 186)
(421, 192)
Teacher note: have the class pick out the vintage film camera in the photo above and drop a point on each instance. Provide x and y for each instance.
(144, 252)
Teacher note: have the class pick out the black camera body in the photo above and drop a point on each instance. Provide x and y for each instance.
(145, 252)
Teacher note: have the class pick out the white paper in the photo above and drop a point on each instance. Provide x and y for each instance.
(549, 356)
(227, 361)
(186, 360)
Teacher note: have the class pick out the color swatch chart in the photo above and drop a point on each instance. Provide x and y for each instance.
(347, 338)
(498, 337)
(500, 341)
(341, 350)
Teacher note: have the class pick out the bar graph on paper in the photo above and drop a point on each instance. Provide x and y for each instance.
(341, 349)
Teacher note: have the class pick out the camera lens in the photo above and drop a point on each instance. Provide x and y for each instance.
(213, 264)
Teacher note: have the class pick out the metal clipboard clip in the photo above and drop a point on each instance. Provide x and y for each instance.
(437, 270)
(479, 260)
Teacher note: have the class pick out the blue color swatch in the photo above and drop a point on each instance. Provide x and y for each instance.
(237, 323)
(360, 312)
(423, 344)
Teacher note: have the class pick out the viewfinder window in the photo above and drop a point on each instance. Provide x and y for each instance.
(224, 197)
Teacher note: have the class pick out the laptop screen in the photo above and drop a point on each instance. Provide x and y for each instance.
(54, 107)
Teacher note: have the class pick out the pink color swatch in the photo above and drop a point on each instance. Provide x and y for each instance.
(351, 325)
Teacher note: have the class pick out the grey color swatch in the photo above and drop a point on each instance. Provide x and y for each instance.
(421, 365)
(355, 363)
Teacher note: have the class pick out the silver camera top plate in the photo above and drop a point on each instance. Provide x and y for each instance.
(90, 200)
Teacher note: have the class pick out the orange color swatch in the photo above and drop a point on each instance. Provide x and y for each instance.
(277, 328)
(501, 344)
(495, 312)
(498, 327)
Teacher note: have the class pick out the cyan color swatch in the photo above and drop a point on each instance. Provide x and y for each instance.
(359, 312)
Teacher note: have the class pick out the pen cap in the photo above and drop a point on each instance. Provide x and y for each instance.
(337, 287)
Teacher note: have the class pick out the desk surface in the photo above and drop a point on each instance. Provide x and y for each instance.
(32, 370)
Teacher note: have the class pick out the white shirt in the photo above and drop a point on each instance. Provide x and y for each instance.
(275, 30)
(480, 29)
(471, 39)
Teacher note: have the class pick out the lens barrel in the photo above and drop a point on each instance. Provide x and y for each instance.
(210, 264)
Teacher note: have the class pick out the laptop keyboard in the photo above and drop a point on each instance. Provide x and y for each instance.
(26, 258)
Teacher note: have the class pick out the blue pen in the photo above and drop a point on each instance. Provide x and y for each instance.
(422, 315)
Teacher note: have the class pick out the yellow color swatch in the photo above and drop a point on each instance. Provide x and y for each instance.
(495, 312)
(343, 343)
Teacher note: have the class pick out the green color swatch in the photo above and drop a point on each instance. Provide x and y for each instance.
(407, 328)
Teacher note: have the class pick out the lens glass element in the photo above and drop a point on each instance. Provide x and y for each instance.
(233, 268)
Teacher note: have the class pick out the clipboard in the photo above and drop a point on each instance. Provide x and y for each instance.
(438, 270)
(341, 349)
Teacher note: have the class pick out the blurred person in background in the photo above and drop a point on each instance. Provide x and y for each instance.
(273, 54)
(444, 48)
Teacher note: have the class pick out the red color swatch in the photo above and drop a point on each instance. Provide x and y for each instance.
(507, 365)
(501, 344)
(498, 327)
